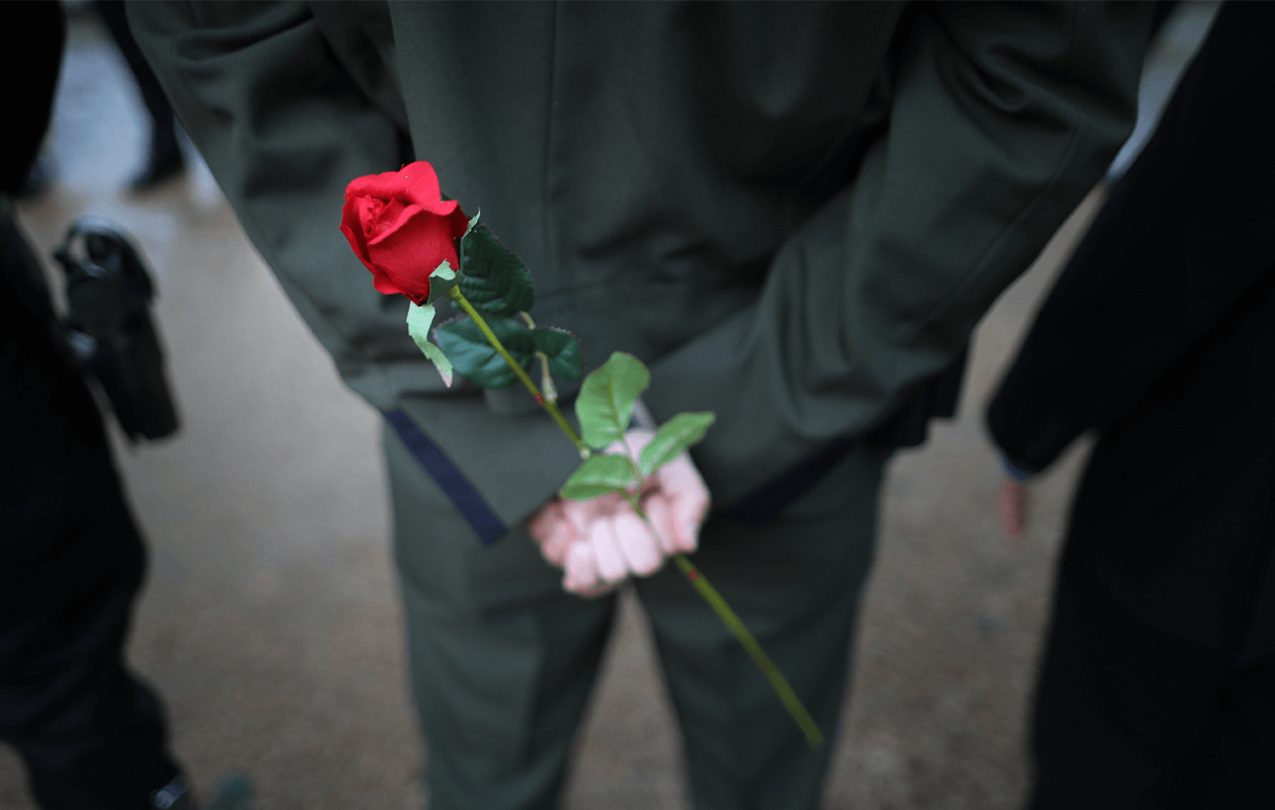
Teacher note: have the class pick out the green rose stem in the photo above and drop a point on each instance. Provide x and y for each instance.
(456, 295)
(746, 640)
(697, 579)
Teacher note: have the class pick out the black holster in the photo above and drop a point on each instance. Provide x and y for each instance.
(108, 329)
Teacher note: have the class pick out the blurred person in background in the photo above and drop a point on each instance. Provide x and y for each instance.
(91, 735)
(1157, 686)
(794, 213)
(164, 159)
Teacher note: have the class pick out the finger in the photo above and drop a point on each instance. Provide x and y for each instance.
(689, 501)
(1021, 506)
(660, 515)
(540, 522)
(553, 532)
(605, 545)
(1011, 506)
(582, 516)
(580, 572)
(600, 589)
(637, 543)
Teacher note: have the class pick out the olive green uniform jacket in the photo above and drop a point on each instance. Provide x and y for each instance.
(792, 213)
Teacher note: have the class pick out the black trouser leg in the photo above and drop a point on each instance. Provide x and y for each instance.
(165, 157)
(112, 14)
(1232, 765)
(92, 737)
(1117, 704)
(1129, 718)
(71, 563)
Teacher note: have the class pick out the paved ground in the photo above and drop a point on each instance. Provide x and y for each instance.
(270, 622)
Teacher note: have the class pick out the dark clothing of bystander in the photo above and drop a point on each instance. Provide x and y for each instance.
(1158, 683)
(71, 557)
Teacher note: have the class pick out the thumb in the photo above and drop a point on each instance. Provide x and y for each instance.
(553, 531)
(688, 501)
(1011, 503)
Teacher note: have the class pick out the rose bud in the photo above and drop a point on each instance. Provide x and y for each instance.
(401, 229)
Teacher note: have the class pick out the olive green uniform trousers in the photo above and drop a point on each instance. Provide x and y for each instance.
(502, 660)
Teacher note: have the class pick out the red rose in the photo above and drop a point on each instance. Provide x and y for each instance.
(400, 228)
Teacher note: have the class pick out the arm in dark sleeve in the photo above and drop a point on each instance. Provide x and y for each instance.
(284, 127)
(1185, 233)
(285, 121)
(1002, 119)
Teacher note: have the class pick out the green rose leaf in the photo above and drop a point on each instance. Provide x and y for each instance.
(441, 280)
(605, 403)
(672, 438)
(563, 351)
(493, 279)
(419, 319)
(600, 475)
(477, 360)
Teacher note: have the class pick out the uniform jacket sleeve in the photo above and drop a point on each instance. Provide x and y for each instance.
(284, 128)
(1001, 118)
(1184, 238)
(285, 120)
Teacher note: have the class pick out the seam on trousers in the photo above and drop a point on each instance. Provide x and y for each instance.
(463, 495)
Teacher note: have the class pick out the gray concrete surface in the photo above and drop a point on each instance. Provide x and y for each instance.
(270, 622)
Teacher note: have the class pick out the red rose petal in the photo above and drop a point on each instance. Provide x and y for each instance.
(409, 253)
(401, 229)
(385, 186)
